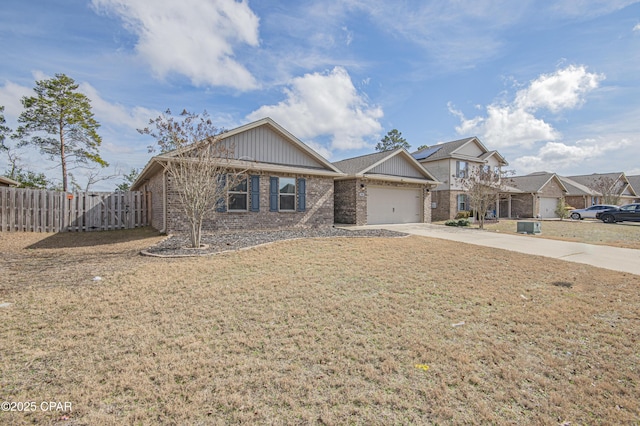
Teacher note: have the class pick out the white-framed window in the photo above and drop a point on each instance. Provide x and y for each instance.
(238, 195)
(462, 202)
(462, 169)
(287, 194)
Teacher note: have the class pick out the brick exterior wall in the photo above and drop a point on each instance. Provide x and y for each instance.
(446, 204)
(426, 205)
(351, 200)
(154, 186)
(522, 205)
(578, 201)
(318, 213)
(344, 201)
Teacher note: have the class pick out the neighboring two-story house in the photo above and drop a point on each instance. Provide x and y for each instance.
(450, 163)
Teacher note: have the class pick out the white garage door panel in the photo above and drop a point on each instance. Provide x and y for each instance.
(393, 205)
(548, 207)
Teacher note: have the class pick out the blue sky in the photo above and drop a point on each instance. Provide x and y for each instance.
(552, 86)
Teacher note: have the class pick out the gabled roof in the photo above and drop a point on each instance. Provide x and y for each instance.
(7, 181)
(324, 166)
(451, 150)
(366, 165)
(441, 150)
(592, 179)
(534, 182)
(575, 188)
(634, 181)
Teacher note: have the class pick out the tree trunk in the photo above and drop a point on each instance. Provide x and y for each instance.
(63, 160)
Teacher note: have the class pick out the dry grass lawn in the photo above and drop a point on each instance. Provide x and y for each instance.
(327, 331)
(623, 234)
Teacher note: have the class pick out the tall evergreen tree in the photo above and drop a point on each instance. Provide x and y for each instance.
(392, 140)
(59, 121)
(4, 130)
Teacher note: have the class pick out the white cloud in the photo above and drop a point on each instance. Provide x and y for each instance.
(194, 38)
(117, 114)
(11, 95)
(506, 125)
(636, 28)
(515, 123)
(587, 8)
(326, 104)
(564, 89)
(558, 156)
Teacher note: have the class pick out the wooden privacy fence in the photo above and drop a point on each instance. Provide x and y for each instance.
(35, 210)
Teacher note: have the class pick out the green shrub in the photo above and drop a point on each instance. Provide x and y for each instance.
(458, 222)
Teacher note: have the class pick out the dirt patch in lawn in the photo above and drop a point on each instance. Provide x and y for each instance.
(334, 331)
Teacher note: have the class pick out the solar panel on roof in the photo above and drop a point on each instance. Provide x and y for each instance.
(426, 153)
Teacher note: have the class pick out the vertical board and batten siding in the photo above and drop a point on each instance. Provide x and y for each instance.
(264, 145)
(397, 166)
(34, 210)
(470, 149)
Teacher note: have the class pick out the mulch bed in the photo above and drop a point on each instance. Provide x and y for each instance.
(177, 245)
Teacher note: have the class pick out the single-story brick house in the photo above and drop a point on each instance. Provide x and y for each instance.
(538, 195)
(287, 184)
(579, 196)
(634, 181)
(608, 183)
(384, 187)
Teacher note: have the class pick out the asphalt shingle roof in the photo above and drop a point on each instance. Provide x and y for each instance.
(592, 180)
(529, 183)
(444, 151)
(635, 183)
(355, 165)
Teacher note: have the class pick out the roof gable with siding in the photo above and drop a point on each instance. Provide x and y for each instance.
(536, 182)
(266, 143)
(634, 181)
(397, 163)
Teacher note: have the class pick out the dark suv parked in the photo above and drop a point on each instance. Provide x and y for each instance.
(629, 212)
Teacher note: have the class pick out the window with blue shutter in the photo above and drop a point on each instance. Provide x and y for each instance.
(255, 193)
(273, 194)
(302, 195)
(221, 203)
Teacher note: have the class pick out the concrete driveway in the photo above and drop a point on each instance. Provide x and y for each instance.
(614, 258)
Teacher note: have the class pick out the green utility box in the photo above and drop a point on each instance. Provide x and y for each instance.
(529, 228)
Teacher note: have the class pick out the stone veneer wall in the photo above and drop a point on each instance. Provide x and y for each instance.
(318, 213)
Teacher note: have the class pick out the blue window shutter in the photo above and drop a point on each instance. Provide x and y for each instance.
(221, 204)
(273, 194)
(255, 193)
(302, 194)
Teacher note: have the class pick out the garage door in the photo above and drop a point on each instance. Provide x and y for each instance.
(548, 207)
(393, 205)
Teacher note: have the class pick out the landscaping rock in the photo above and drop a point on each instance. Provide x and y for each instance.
(176, 245)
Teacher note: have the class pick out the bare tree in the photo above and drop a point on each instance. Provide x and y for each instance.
(197, 163)
(483, 186)
(562, 209)
(94, 176)
(611, 188)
